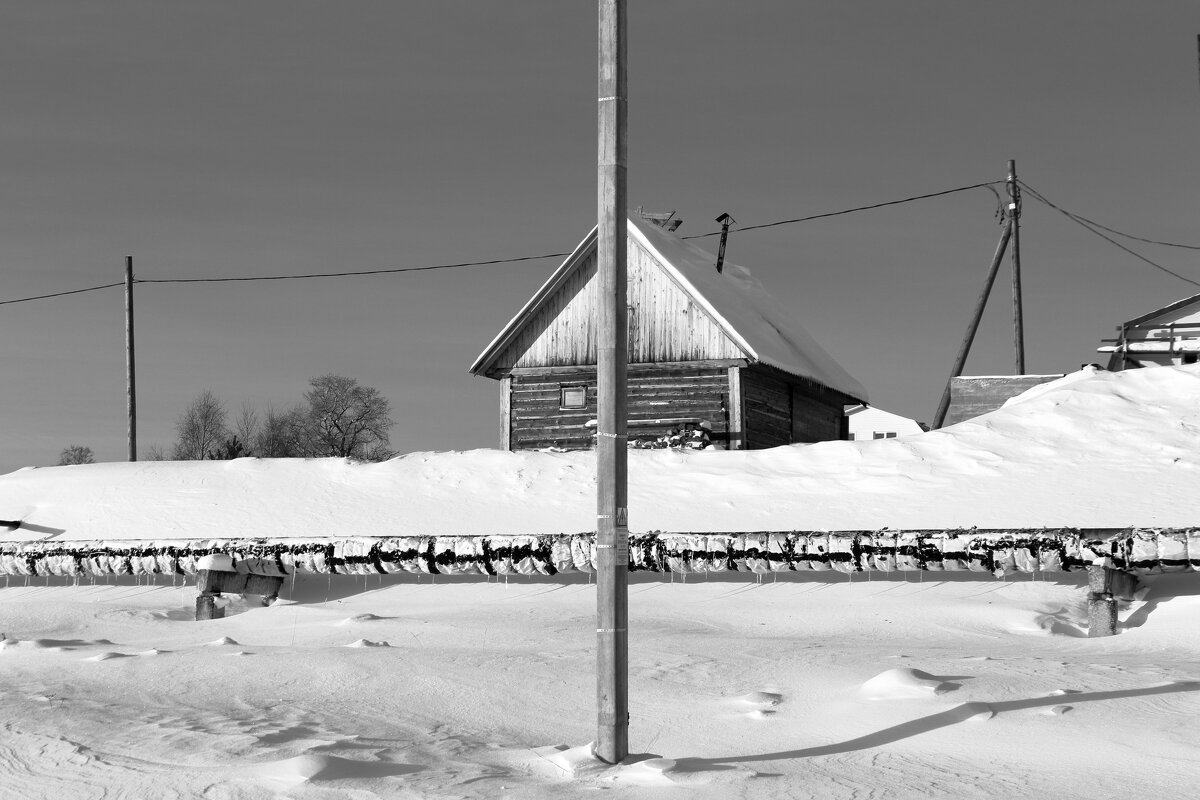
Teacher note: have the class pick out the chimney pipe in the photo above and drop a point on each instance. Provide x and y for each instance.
(725, 220)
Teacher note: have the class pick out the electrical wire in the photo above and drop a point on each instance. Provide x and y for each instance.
(490, 262)
(61, 294)
(356, 272)
(1093, 223)
(1088, 226)
(744, 228)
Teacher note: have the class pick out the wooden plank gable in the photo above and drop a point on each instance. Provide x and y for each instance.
(665, 323)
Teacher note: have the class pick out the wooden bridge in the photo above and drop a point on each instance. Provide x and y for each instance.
(1112, 557)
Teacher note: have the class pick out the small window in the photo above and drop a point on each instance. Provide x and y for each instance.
(572, 397)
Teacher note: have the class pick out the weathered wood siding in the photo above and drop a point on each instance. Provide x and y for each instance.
(767, 401)
(664, 324)
(781, 411)
(661, 391)
(817, 414)
(971, 396)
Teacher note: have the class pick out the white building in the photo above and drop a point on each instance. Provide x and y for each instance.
(1167, 336)
(865, 422)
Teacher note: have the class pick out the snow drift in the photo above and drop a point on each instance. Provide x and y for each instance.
(1094, 449)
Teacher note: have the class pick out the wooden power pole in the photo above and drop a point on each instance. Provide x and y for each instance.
(130, 390)
(612, 524)
(1014, 216)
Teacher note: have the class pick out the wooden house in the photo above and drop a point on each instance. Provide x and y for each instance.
(710, 351)
(1168, 336)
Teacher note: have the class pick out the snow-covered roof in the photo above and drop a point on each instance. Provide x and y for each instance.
(762, 327)
(1178, 305)
(751, 316)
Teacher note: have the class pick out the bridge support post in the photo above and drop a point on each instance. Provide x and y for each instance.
(1105, 586)
(212, 582)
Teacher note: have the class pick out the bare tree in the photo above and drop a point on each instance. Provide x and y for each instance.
(76, 454)
(346, 419)
(246, 428)
(154, 452)
(281, 434)
(201, 428)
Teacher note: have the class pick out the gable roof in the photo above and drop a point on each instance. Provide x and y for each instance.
(1176, 306)
(761, 327)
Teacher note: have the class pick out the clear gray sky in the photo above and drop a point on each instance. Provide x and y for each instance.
(224, 139)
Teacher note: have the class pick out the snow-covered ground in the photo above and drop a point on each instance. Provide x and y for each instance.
(778, 686)
(1093, 449)
(822, 687)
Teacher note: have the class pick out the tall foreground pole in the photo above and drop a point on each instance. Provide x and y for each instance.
(130, 390)
(612, 524)
(1014, 214)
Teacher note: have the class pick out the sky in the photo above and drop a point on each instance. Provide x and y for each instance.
(272, 138)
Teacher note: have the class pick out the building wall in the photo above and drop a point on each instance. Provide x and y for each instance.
(660, 395)
(875, 423)
(778, 410)
(767, 409)
(664, 324)
(975, 395)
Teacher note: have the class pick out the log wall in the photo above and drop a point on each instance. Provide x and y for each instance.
(656, 392)
(780, 411)
(767, 404)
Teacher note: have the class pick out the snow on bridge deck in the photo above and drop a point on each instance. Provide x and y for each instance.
(998, 552)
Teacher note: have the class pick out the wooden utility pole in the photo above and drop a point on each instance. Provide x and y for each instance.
(612, 524)
(130, 390)
(965, 348)
(1014, 216)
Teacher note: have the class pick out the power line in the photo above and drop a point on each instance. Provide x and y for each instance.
(490, 262)
(1105, 227)
(744, 228)
(1088, 226)
(357, 272)
(61, 294)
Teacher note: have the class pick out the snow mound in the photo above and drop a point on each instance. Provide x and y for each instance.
(581, 764)
(1060, 448)
(903, 683)
(763, 698)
